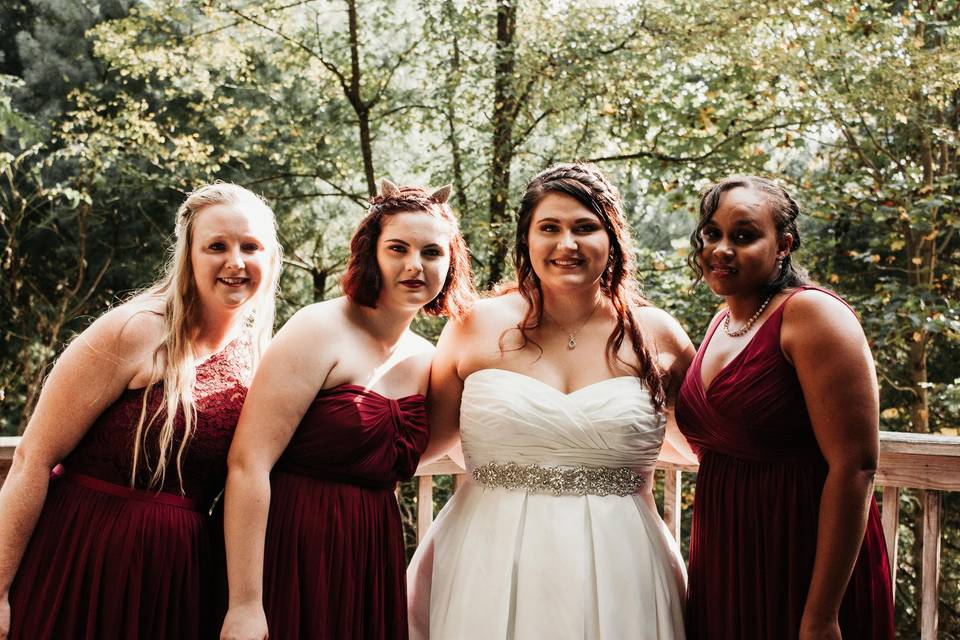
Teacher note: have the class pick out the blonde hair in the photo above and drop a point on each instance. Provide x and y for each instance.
(174, 359)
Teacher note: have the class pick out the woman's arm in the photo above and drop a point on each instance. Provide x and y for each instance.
(286, 382)
(675, 352)
(842, 400)
(90, 375)
(446, 389)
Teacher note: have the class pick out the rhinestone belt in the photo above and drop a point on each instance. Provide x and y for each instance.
(581, 481)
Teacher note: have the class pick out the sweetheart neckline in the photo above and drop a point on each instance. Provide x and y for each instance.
(368, 391)
(550, 386)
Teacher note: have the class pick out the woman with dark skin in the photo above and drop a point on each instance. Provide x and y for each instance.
(786, 539)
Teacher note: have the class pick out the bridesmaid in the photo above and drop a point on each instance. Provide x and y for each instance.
(140, 410)
(781, 407)
(315, 548)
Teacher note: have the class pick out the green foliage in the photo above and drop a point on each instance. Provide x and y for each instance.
(111, 110)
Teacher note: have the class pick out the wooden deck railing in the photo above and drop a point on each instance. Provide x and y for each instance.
(928, 463)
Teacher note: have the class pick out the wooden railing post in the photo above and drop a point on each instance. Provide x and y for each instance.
(671, 501)
(930, 577)
(890, 515)
(424, 505)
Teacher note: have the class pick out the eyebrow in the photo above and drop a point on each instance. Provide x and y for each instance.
(577, 221)
(738, 223)
(407, 244)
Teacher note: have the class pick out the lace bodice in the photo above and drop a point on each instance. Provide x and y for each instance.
(106, 451)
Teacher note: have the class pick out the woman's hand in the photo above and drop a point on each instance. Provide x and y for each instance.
(244, 622)
(4, 616)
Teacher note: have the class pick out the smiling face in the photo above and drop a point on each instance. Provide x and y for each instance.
(230, 255)
(568, 245)
(740, 244)
(413, 254)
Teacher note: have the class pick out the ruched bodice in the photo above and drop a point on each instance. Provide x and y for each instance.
(334, 556)
(355, 435)
(516, 561)
(753, 408)
(511, 417)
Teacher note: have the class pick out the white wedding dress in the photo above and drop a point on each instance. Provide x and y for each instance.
(518, 564)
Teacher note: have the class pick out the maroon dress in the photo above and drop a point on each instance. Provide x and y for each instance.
(334, 564)
(107, 561)
(757, 504)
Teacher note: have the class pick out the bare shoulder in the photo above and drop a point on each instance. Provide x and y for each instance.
(813, 310)
(662, 327)
(318, 320)
(815, 322)
(490, 315)
(128, 330)
(416, 344)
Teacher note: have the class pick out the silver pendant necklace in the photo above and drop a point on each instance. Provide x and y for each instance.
(572, 342)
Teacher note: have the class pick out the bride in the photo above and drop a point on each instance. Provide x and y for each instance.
(561, 388)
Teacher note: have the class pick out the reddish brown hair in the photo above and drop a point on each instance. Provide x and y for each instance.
(362, 283)
(588, 186)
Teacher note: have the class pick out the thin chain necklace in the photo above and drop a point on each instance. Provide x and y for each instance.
(742, 330)
(572, 343)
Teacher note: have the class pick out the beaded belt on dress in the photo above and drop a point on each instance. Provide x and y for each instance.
(581, 481)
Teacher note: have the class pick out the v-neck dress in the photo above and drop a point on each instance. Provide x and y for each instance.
(334, 557)
(757, 503)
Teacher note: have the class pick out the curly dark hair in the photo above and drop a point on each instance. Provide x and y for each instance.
(362, 282)
(785, 211)
(588, 186)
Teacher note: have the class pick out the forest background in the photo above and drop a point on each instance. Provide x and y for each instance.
(111, 110)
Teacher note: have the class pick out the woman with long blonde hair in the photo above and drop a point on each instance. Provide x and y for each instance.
(105, 530)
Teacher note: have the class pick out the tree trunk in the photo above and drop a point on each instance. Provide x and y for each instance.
(917, 359)
(450, 114)
(319, 284)
(504, 112)
(355, 96)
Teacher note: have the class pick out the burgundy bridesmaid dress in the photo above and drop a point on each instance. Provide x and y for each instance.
(334, 564)
(757, 504)
(107, 561)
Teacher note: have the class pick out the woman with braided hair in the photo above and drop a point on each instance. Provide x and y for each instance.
(335, 417)
(560, 389)
(781, 407)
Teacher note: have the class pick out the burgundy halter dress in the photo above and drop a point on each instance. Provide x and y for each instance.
(334, 563)
(757, 502)
(107, 561)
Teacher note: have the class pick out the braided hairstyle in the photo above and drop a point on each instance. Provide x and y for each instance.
(362, 281)
(588, 186)
(784, 210)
